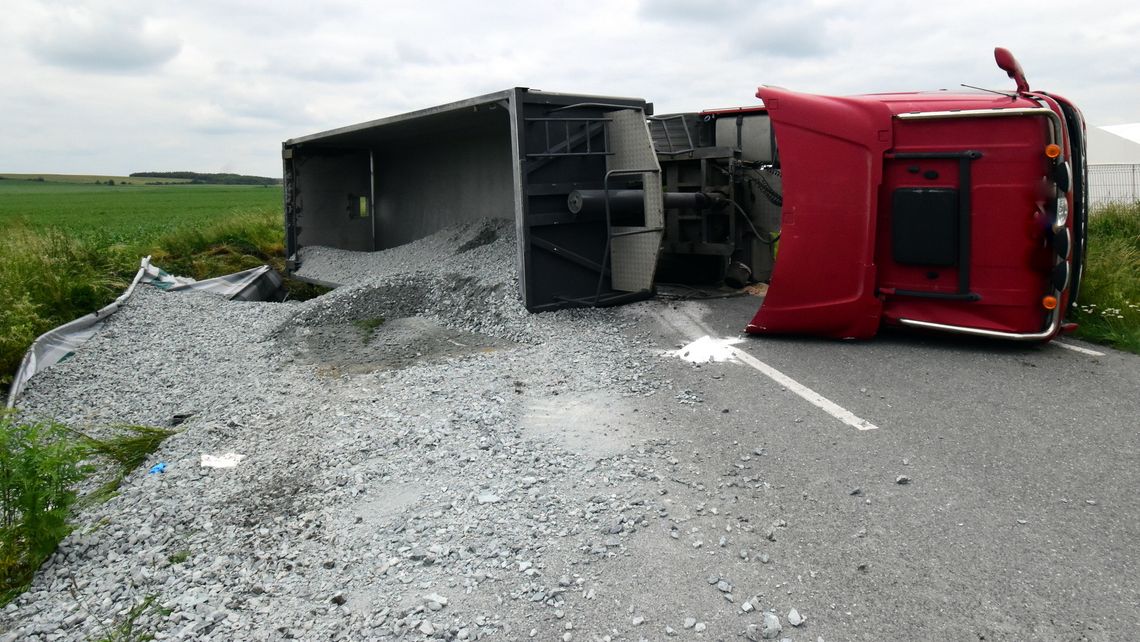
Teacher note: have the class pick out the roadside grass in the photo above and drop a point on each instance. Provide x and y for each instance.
(244, 239)
(41, 466)
(126, 450)
(49, 277)
(1108, 308)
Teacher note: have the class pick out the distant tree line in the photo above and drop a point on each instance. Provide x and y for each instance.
(211, 179)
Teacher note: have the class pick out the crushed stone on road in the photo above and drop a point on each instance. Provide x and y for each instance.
(422, 459)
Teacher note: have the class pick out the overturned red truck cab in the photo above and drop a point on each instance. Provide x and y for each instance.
(959, 212)
(941, 211)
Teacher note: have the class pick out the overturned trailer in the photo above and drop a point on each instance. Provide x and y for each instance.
(959, 212)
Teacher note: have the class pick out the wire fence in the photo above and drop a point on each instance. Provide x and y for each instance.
(1114, 183)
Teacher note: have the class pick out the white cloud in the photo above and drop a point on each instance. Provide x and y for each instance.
(101, 38)
(100, 86)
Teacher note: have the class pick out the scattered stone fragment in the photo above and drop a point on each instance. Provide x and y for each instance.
(638, 620)
(426, 628)
(771, 626)
(794, 618)
(764, 558)
(856, 492)
(690, 622)
(488, 498)
(700, 627)
(723, 586)
(746, 607)
(670, 630)
(902, 479)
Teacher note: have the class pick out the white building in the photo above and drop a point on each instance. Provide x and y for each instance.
(1114, 164)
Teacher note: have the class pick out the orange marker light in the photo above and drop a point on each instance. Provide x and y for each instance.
(1049, 302)
(1053, 150)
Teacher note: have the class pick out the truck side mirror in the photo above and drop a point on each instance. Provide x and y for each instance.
(1010, 66)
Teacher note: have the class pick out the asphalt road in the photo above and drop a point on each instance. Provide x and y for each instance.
(1021, 519)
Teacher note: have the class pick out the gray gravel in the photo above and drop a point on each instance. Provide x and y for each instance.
(465, 470)
(461, 470)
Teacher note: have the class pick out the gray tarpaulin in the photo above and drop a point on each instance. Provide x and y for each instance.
(53, 346)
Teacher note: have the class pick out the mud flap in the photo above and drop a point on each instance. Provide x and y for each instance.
(831, 151)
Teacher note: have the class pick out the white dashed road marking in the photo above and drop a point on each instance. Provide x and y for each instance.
(1069, 346)
(813, 397)
(705, 348)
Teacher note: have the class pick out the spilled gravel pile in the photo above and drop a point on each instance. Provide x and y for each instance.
(420, 459)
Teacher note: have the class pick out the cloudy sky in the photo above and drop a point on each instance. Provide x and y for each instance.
(126, 85)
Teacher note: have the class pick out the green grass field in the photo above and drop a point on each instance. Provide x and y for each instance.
(124, 213)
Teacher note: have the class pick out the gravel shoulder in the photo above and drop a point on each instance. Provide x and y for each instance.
(464, 470)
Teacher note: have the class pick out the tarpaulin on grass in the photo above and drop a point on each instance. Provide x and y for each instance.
(258, 284)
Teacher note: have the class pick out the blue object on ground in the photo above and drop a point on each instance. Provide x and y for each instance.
(160, 467)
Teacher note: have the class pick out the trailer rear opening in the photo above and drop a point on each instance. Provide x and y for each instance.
(958, 212)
